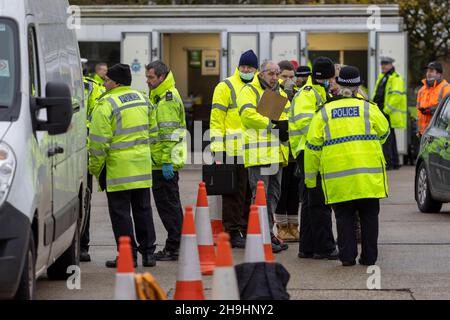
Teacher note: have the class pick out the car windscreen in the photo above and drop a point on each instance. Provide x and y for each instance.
(8, 63)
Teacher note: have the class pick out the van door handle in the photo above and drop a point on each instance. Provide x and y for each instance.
(54, 151)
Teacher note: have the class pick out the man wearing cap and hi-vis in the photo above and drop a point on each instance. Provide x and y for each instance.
(343, 147)
(302, 74)
(119, 154)
(226, 145)
(316, 232)
(265, 151)
(169, 151)
(434, 89)
(390, 96)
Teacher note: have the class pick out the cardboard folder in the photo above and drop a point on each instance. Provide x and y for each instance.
(271, 105)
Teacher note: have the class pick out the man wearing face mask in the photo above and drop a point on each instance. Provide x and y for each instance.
(302, 73)
(266, 148)
(434, 89)
(226, 144)
(390, 96)
(316, 233)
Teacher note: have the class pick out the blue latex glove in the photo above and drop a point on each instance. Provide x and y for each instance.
(167, 170)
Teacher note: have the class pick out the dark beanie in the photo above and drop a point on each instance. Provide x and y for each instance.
(249, 58)
(303, 71)
(120, 73)
(349, 77)
(323, 68)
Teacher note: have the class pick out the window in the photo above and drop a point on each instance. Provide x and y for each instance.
(34, 88)
(443, 120)
(8, 63)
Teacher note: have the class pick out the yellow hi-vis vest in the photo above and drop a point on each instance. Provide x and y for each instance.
(119, 140)
(305, 103)
(344, 146)
(261, 146)
(395, 100)
(225, 123)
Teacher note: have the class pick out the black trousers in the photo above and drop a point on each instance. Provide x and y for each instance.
(390, 151)
(236, 207)
(346, 213)
(168, 204)
(85, 237)
(289, 202)
(316, 229)
(119, 203)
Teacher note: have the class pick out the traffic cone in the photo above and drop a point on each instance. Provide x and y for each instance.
(204, 232)
(224, 284)
(261, 203)
(254, 250)
(216, 218)
(125, 285)
(189, 279)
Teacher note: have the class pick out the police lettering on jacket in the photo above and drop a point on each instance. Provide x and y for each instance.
(345, 112)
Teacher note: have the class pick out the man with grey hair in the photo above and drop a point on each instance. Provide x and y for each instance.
(169, 149)
(266, 147)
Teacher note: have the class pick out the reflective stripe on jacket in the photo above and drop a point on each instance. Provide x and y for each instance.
(261, 146)
(344, 146)
(395, 99)
(305, 103)
(119, 140)
(225, 123)
(430, 98)
(168, 126)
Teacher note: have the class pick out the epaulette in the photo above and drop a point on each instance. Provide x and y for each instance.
(307, 88)
(169, 96)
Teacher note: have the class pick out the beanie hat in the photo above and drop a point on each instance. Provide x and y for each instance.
(249, 58)
(349, 77)
(120, 73)
(303, 71)
(323, 68)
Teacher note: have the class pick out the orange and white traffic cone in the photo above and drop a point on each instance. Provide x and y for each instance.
(254, 250)
(125, 286)
(261, 203)
(204, 232)
(224, 284)
(216, 217)
(189, 279)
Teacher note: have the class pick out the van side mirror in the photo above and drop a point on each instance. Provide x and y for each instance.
(58, 102)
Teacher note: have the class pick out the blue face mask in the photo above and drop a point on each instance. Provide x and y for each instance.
(246, 76)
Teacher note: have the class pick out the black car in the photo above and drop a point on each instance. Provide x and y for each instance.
(432, 187)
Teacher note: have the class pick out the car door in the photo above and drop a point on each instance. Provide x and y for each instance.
(442, 125)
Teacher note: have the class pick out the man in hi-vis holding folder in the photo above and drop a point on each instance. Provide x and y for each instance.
(263, 110)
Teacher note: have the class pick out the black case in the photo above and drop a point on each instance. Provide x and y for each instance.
(220, 179)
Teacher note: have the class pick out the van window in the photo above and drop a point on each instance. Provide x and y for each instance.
(8, 64)
(33, 63)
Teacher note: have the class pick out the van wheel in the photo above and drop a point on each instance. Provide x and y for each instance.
(71, 257)
(425, 201)
(27, 284)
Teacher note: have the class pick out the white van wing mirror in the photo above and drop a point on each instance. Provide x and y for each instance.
(58, 102)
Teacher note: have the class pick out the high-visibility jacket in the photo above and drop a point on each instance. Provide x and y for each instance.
(92, 92)
(430, 98)
(305, 103)
(98, 79)
(395, 100)
(344, 146)
(225, 123)
(119, 140)
(168, 126)
(261, 146)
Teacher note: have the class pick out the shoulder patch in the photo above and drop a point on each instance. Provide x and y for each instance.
(169, 96)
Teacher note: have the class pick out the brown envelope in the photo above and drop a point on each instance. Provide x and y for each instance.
(271, 105)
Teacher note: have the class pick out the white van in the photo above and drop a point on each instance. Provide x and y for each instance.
(42, 145)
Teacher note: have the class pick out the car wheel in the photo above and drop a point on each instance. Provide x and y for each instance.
(425, 201)
(27, 284)
(71, 257)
